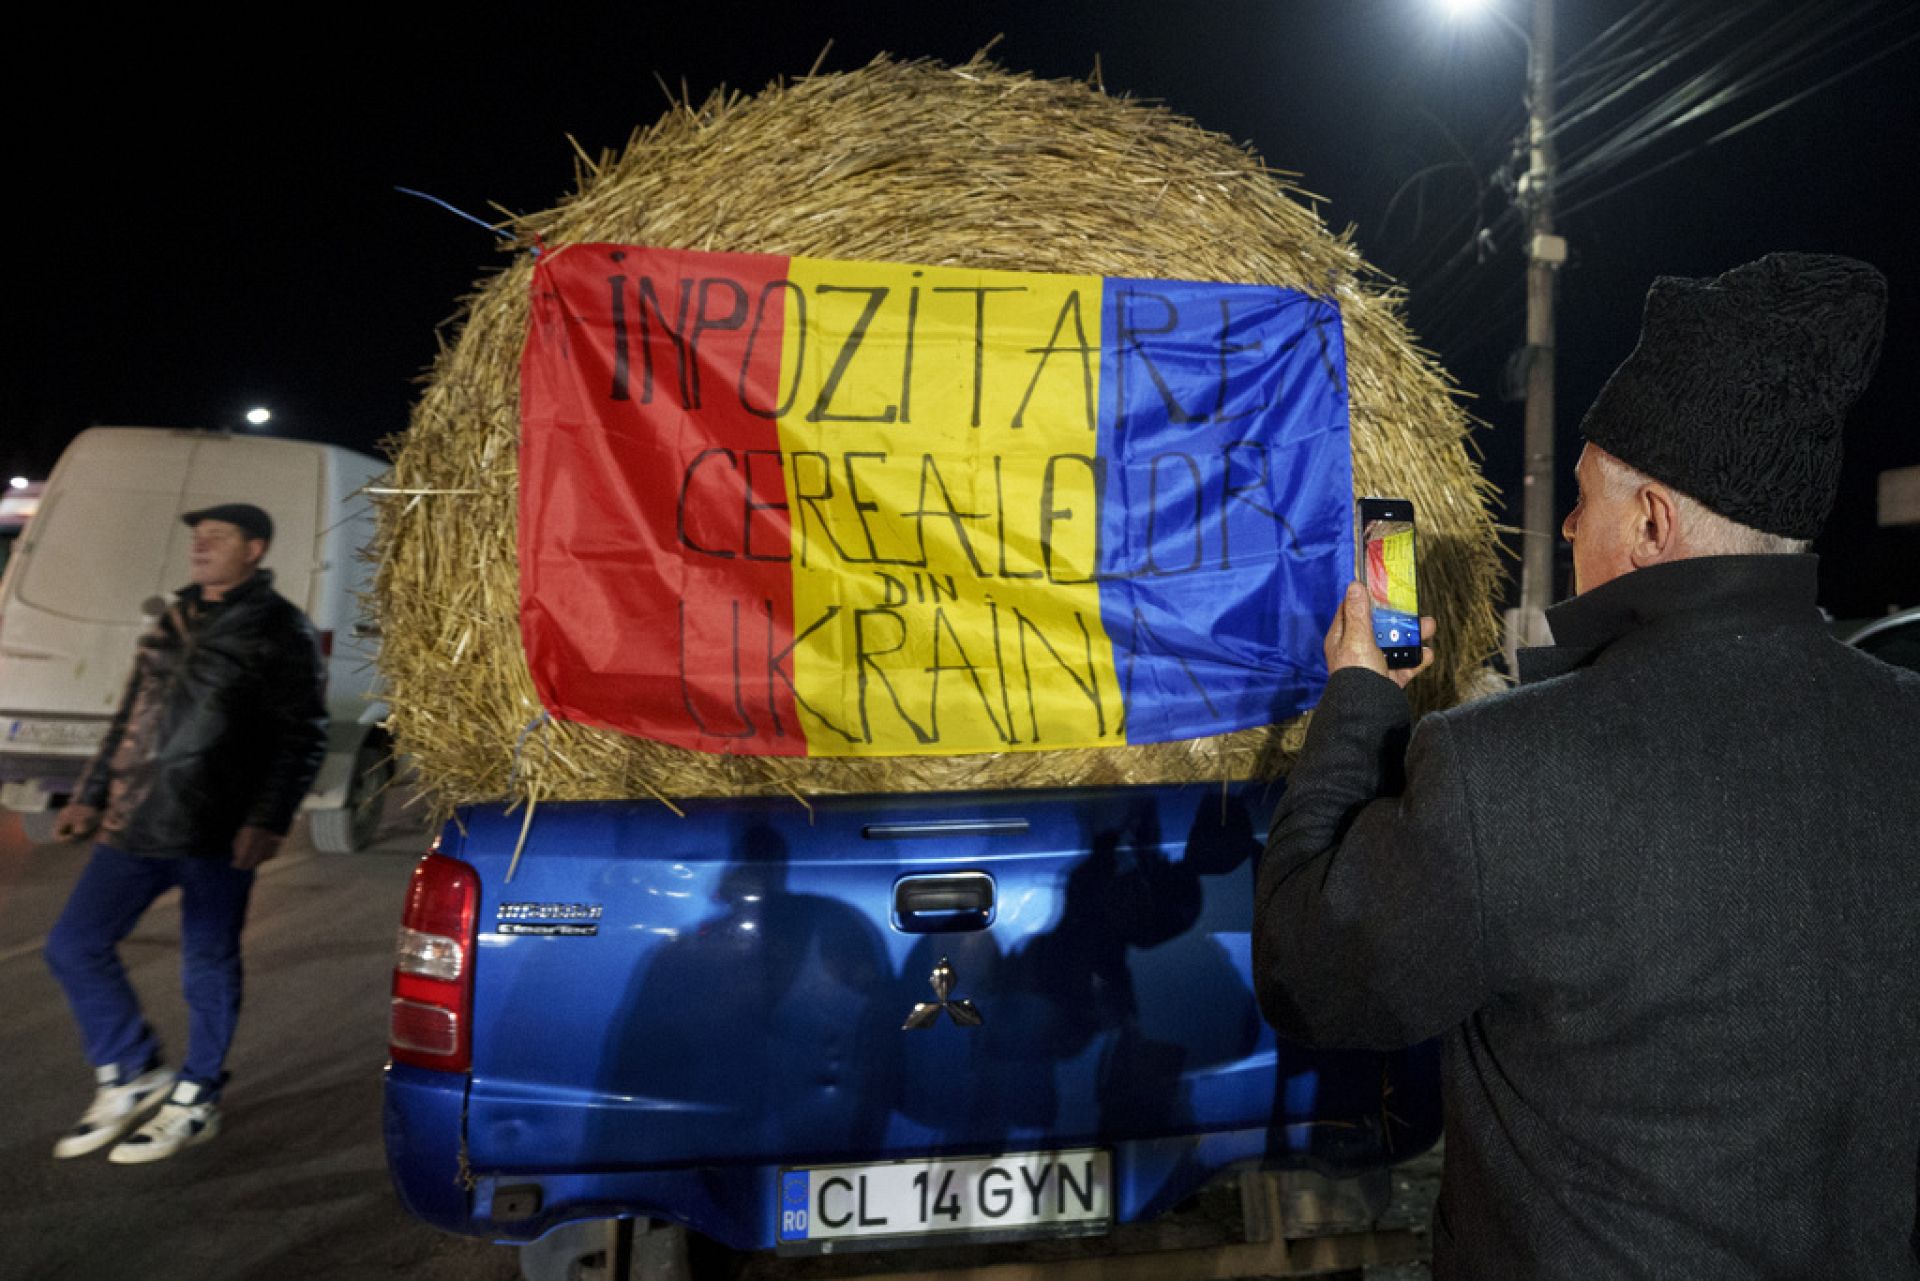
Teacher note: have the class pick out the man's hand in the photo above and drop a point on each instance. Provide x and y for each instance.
(1350, 640)
(253, 846)
(76, 822)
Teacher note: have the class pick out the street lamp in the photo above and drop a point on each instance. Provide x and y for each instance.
(259, 415)
(18, 482)
(1474, 10)
(1546, 252)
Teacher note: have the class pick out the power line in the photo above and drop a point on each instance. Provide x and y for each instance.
(1597, 160)
(1620, 30)
(1605, 95)
(1679, 103)
(1743, 125)
(1418, 183)
(1639, 53)
(1769, 56)
(1449, 295)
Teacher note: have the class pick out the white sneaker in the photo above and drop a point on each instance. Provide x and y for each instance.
(188, 1117)
(116, 1108)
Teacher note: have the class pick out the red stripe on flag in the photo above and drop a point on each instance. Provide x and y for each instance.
(655, 539)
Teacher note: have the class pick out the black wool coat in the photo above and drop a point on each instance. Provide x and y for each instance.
(1662, 905)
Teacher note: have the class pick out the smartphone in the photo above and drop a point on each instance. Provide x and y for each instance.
(1387, 562)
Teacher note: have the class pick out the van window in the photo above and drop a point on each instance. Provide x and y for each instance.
(98, 554)
(109, 537)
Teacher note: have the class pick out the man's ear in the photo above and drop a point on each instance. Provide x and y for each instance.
(256, 551)
(1658, 537)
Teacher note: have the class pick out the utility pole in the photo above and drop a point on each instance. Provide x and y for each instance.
(1545, 254)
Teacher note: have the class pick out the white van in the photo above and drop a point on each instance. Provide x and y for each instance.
(104, 554)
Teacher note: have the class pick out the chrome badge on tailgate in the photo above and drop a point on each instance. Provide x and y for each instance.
(925, 1014)
(571, 920)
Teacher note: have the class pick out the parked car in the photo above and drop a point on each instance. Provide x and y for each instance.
(99, 561)
(1894, 639)
(896, 1020)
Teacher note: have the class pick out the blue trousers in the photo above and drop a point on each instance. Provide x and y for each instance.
(112, 894)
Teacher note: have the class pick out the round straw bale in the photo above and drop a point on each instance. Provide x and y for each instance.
(913, 162)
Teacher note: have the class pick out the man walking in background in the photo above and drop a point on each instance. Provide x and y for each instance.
(218, 736)
(1662, 902)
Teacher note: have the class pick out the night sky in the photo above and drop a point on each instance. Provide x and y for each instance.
(204, 217)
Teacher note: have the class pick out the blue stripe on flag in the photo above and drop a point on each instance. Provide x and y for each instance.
(1227, 529)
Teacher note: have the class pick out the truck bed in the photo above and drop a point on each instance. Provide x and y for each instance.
(679, 1017)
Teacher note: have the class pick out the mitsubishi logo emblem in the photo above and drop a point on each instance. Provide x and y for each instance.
(927, 1013)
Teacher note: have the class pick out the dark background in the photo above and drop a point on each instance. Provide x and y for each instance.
(204, 215)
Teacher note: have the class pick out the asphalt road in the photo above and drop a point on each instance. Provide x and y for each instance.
(295, 1186)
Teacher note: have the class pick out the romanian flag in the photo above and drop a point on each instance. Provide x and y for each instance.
(797, 506)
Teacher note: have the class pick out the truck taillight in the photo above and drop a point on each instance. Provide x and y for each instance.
(431, 1024)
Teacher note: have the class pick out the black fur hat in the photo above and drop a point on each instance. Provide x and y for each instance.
(1736, 392)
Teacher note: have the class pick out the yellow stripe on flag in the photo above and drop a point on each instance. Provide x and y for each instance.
(939, 436)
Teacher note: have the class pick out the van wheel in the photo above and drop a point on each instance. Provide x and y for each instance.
(38, 825)
(353, 826)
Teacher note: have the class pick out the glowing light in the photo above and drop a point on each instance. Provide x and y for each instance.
(259, 415)
(18, 482)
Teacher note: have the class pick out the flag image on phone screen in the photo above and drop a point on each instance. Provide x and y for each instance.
(1387, 547)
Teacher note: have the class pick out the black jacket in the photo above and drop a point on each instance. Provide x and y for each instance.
(1662, 903)
(223, 724)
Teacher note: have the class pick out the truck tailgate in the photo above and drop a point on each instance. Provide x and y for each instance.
(731, 987)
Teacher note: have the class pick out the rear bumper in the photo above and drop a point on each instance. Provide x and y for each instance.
(53, 773)
(737, 1205)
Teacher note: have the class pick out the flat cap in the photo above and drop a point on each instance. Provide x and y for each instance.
(255, 522)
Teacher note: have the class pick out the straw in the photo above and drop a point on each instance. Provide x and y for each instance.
(915, 162)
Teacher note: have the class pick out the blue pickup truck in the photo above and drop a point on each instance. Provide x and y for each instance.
(858, 1022)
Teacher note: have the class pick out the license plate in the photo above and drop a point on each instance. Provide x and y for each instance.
(59, 735)
(901, 1202)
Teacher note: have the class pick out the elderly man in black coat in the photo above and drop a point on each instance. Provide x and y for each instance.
(1662, 901)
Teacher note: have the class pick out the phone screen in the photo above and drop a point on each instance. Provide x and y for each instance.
(1386, 537)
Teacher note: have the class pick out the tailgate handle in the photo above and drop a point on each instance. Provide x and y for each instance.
(943, 904)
